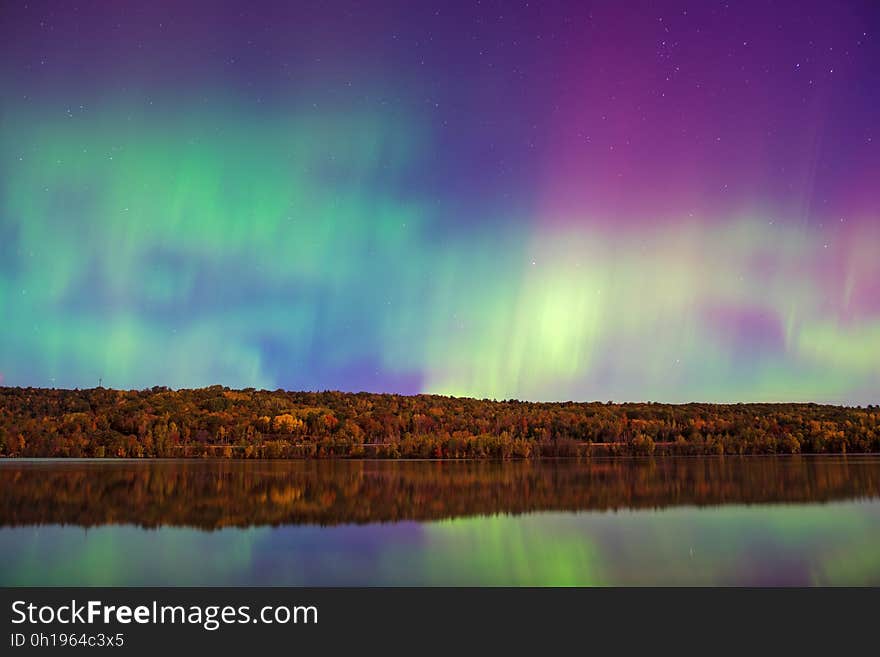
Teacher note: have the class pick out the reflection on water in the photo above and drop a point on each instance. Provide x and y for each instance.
(753, 520)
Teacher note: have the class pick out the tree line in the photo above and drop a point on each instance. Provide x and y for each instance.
(220, 422)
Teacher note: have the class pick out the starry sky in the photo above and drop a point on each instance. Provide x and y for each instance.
(664, 200)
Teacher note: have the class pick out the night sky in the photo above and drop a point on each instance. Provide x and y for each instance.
(666, 201)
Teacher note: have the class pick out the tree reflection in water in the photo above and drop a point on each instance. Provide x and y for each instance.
(215, 494)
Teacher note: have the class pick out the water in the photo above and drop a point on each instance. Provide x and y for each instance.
(677, 521)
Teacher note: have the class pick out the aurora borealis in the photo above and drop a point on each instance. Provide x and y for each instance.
(664, 201)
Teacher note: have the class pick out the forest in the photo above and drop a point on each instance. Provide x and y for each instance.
(219, 422)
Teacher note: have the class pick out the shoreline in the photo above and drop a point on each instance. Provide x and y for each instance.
(403, 459)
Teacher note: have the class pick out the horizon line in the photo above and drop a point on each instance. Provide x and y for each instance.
(166, 388)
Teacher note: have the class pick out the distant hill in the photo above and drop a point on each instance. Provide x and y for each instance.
(224, 423)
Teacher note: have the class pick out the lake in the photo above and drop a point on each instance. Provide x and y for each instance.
(801, 520)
